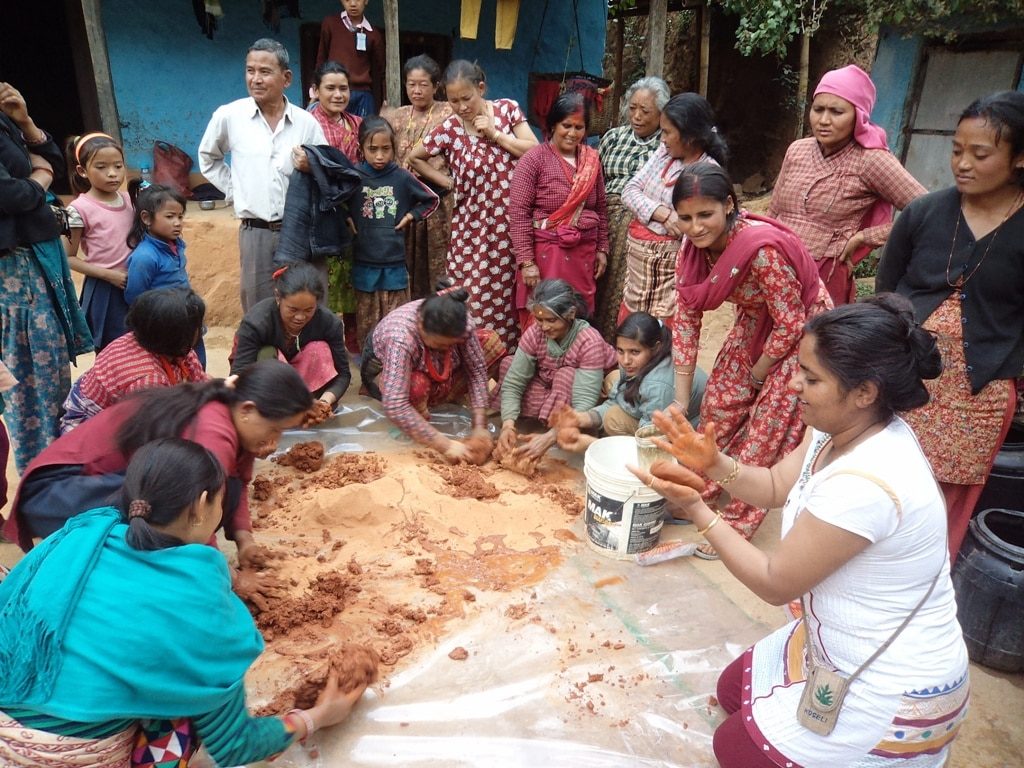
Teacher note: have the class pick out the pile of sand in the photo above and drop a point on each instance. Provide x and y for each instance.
(386, 551)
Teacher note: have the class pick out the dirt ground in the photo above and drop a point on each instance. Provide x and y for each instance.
(991, 736)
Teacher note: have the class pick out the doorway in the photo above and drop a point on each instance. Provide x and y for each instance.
(44, 54)
(437, 47)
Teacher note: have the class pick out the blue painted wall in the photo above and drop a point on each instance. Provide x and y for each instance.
(168, 78)
(893, 73)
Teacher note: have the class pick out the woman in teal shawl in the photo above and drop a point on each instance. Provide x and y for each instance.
(123, 639)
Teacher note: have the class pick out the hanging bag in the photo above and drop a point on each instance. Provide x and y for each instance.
(825, 689)
(171, 167)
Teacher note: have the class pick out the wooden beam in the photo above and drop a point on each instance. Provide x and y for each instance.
(93, 17)
(393, 66)
(656, 25)
(705, 46)
(620, 43)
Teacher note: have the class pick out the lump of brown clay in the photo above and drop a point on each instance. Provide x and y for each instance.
(305, 457)
(458, 654)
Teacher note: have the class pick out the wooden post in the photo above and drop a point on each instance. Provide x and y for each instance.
(705, 46)
(393, 65)
(101, 68)
(656, 24)
(620, 43)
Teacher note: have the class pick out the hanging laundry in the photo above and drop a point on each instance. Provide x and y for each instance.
(470, 19)
(505, 24)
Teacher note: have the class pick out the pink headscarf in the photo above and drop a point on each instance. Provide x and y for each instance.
(853, 84)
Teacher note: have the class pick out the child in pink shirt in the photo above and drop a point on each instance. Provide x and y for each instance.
(100, 219)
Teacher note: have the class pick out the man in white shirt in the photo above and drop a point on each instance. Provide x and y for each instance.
(260, 133)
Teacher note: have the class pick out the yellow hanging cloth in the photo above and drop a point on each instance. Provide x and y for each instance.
(470, 19)
(505, 23)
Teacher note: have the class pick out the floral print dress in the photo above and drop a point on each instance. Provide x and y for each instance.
(757, 427)
(480, 253)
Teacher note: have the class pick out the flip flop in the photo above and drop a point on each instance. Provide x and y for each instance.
(712, 555)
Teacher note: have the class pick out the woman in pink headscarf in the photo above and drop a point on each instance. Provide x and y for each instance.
(838, 187)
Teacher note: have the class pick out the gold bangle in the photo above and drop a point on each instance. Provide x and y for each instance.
(709, 526)
(732, 473)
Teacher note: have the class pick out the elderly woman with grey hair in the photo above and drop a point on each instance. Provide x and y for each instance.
(561, 360)
(624, 150)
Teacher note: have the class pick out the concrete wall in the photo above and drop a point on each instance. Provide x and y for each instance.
(168, 78)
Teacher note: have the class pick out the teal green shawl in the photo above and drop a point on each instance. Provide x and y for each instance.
(53, 263)
(94, 630)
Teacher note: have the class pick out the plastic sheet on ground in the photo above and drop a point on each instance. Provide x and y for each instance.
(601, 663)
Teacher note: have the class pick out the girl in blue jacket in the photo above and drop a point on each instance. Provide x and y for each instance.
(158, 252)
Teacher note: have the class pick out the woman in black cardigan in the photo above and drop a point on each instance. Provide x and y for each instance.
(295, 326)
(41, 323)
(958, 255)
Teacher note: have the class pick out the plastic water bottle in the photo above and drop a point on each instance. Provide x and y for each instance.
(146, 177)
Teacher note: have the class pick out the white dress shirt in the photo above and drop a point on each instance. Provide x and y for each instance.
(261, 162)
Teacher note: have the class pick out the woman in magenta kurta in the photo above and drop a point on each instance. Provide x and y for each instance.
(763, 268)
(558, 210)
(481, 143)
(82, 468)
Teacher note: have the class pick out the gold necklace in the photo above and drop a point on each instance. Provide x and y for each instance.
(426, 122)
(961, 281)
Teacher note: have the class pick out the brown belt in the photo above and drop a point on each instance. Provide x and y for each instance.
(273, 226)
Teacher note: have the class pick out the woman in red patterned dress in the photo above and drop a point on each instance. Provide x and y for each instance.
(481, 143)
(766, 271)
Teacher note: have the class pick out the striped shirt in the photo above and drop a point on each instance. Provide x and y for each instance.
(623, 154)
(398, 345)
(124, 367)
(652, 187)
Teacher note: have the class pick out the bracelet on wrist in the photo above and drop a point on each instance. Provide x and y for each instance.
(47, 171)
(305, 719)
(733, 473)
(756, 381)
(712, 524)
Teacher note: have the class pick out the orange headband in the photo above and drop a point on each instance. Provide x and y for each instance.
(83, 139)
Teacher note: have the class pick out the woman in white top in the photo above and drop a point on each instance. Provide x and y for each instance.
(864, 545)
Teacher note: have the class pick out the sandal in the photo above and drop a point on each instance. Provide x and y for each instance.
(706, 552)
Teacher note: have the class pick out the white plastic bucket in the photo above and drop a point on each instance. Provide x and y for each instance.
(623, 516)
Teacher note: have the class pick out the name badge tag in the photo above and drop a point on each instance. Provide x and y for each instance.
(360, 41)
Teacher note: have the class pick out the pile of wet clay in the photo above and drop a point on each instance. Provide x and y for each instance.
(305, 457)
(465, 482)
(353, 664)
(387, 550)
(326, 597)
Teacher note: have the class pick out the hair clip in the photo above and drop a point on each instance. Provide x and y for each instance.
(139, 508)
(279, 272)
